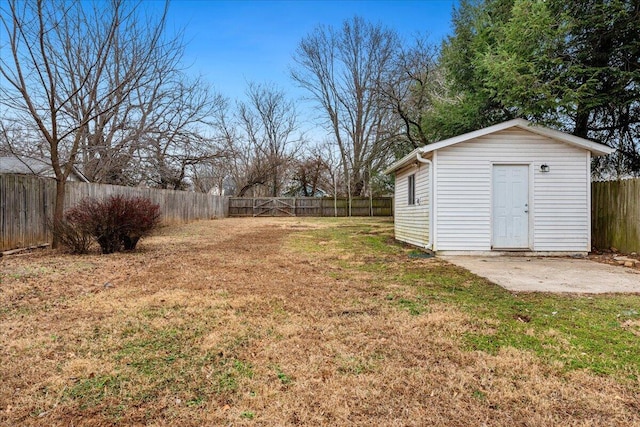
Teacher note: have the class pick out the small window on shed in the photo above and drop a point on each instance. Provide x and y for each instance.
(412, 189)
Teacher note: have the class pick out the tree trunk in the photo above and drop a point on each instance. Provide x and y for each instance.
(582, 122)
(58, 211)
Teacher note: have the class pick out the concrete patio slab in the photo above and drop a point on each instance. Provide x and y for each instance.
(546, 274)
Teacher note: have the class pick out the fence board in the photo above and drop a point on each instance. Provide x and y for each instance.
(240, 207)
(309, 206)
(615, 215)
(26, 201)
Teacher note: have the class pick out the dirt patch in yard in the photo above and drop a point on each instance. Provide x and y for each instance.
(271, 322)
(613, 258)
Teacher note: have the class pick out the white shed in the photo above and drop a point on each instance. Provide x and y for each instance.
(510, 187)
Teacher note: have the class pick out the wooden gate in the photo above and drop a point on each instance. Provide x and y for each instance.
(274, 207)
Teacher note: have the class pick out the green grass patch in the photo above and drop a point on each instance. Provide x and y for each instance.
(415, 306)
(347, 235)
(581, 332)
(228, 374)
(282, 377)
(89, 392)
(156, 361)
(247, 415)
(154, 352)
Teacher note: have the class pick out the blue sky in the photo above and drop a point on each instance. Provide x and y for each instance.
(232, 42)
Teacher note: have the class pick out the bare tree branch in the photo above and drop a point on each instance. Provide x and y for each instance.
(72, 64)
(343, 71)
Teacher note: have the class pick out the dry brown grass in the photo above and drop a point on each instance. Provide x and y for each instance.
(235, 322)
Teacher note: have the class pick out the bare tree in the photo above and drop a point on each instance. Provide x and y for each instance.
(232, 166)
(309, 175)
(213, 176)
(121, 120)
(109, 147)
(409, 90)
(333, 181)
(268, 143)
(343, 70)
(179, 135)
(71, 62)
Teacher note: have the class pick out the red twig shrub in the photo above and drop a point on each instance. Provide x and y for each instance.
(72, 236)
(117, 222)
(142, 216)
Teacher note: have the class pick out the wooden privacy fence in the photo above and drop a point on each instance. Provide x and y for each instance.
(615, 215)
(26, 203)
(309, 206)
(176, 206)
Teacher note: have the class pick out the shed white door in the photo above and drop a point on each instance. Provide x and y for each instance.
(510, 206)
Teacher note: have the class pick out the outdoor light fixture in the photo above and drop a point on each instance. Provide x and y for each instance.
(544, 167)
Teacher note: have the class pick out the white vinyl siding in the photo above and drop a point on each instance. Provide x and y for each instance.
(559, 212)
(412, 221)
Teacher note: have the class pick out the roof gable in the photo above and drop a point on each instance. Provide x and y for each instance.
(32, 166)
(594, 147)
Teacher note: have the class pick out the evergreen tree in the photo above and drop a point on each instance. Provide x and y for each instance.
(573, 66)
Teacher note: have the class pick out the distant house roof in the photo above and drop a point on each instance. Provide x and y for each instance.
(594, 147)
(300, 192)
(33, 166)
